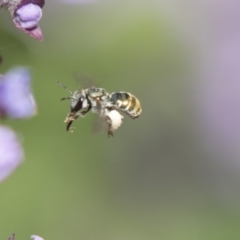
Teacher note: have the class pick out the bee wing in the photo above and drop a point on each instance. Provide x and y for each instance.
(84, 81)
(100, 125)
(99, 122)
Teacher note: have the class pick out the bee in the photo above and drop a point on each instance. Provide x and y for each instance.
(106, 105)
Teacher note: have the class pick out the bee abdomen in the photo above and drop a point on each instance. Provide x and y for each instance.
(127, 103)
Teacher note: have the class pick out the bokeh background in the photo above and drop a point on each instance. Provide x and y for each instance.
(171, 174)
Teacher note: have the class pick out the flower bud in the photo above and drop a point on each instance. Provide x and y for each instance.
(26, 15)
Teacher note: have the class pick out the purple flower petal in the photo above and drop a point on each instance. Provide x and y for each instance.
(34, 32)
(11, 153)
(16, 99)
(28, 16)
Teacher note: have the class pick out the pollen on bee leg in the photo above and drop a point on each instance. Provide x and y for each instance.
(114, 120)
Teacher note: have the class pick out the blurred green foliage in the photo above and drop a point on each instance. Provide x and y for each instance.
(141, 184)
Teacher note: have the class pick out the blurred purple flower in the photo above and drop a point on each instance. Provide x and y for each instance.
(16, 99)
(11, 153)
(219, 94)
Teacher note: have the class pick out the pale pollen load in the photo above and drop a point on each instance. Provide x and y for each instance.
(115, 119)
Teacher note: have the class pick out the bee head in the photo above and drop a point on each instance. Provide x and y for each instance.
(77, 101)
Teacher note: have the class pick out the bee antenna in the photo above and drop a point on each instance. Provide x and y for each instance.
(63, 86)
(66, 98)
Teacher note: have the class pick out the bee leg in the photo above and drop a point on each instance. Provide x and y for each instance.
(69, 125)
(85, 111)
(69, 120)
(134, 117)
(110, 133)
(109, 124)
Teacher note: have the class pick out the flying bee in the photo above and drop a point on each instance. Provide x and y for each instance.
(99, 101)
